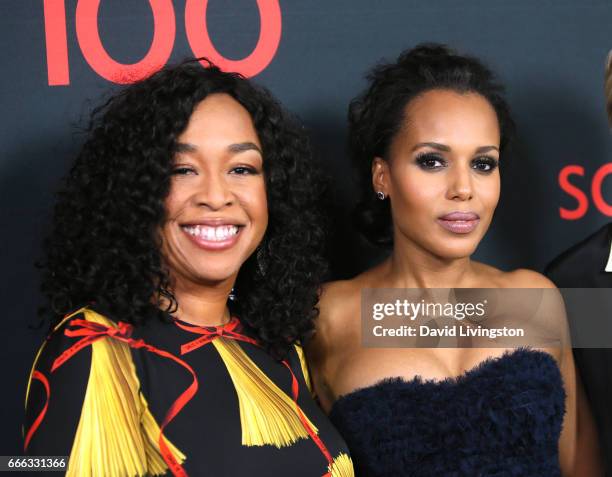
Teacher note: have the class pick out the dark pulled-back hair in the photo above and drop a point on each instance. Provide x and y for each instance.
(377, 114)
(104, 247)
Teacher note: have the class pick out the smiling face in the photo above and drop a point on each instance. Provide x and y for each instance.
(217, 210)
(441, 175)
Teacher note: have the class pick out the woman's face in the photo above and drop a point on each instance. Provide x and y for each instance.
(217, 209)
(441, 175)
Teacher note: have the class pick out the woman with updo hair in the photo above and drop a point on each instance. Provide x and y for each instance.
(182, 274)
(428, 136)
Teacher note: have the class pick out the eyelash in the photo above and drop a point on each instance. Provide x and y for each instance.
(179, 171)
(249, 170)
(423, 159)
(246, 170)
(491, 162)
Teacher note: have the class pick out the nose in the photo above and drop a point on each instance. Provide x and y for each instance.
(460, 185)
(213, 193)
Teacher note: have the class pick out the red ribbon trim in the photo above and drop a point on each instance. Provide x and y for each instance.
(295, 389)
(231, 331)
(209, 333)
(91, 332)
(40, 377)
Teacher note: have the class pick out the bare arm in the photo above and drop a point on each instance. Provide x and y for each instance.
(320, 347)
(588, 456)
(578, 444)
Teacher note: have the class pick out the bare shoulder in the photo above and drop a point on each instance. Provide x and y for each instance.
(491, 276)
(339, 311)
(337, 302)
(337, 291)
(548, 314)
(525, 278)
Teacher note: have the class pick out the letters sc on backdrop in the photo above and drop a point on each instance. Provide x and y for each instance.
(164, 33)
(583, 202)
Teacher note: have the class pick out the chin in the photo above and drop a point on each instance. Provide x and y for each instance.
(213, 273)
(453, 253)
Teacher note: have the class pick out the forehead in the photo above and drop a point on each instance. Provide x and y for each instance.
(451, 118)
(219, 116)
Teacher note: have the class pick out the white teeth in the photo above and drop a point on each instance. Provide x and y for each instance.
(213, 234)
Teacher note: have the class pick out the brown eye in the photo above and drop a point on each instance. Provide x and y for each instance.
(485, 164)
(430, 161)
(180, 171)
(243, 170)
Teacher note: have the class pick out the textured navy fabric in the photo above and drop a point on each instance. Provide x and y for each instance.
(501, 418)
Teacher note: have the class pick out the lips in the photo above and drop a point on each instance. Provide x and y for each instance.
(212, 235)
(459, 222)
(460, 216)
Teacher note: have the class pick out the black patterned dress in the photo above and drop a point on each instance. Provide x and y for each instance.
(171, 398)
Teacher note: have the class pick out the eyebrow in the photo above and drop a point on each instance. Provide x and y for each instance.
(243, 146)
(445, 148)
(185, 147)
(483, 149)
(434, 145)
(233, 148)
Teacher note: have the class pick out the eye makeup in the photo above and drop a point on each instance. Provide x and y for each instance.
(430, 161)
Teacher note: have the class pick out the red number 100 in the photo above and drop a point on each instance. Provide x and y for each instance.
(164, 32)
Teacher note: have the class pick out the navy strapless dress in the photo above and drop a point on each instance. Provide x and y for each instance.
(501, 418)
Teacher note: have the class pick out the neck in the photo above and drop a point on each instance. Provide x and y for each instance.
(202, 305)
(411, 266)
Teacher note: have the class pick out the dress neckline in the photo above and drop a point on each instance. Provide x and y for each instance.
(466, 376)
(232, 324)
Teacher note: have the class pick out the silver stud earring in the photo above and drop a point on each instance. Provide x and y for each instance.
(381, 195)
(232, 295)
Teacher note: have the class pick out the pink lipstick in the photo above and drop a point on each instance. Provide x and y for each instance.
(459, 222)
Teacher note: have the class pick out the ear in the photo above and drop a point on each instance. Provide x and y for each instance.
(380, 175)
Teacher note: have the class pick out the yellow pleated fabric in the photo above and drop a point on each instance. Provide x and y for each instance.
(342, 466)
(304, 366)
(117, 434)
(267, 414)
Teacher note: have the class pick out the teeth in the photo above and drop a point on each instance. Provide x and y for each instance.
(213, 234)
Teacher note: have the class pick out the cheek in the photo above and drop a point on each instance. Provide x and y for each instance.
(255, 202)
(262, 209)
(175, 202)
(417, 193)
(489, 193)
(171, 210)
(168, 241)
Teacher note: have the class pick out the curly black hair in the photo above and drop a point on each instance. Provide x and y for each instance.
(377, 114)
(104, 246)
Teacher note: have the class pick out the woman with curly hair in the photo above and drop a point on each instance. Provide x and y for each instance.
(181, 275)
(428, 136)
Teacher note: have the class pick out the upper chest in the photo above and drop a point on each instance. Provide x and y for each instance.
(350, 365)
